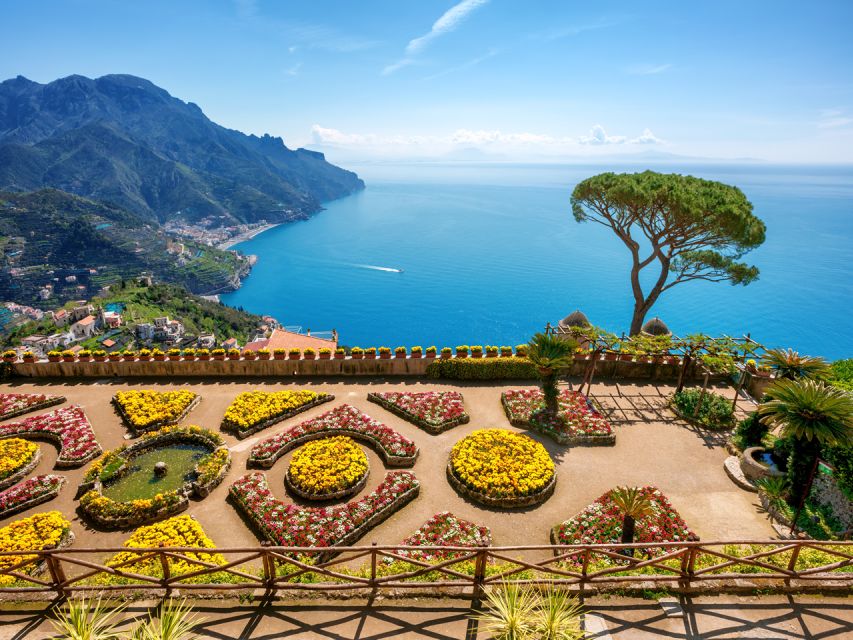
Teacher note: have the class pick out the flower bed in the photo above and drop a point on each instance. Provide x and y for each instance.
(112, 514)
(601, 523)
(327, 469)
(17, 460)
(16, 404)
(38, 532)
(581, 422)
(445, 530)
(29, 493)
(253, 411)
(501, 469)
(67, 426)
(289, 525)
(395, 449)
(433, 411)
(151, 410)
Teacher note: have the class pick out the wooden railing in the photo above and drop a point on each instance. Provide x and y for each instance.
(680, 564)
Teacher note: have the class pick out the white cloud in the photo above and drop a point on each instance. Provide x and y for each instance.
(647, 137)
(648, 69)
(833, 119)
(597, 135)
(391, 68)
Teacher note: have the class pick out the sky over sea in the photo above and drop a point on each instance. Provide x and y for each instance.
(475, 79)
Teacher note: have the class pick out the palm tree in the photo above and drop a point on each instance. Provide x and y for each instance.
(548, 353)
(812, 414)
(633, 504)
(792, 366)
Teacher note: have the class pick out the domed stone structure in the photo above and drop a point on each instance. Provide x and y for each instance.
(576, 318)
(656, 327)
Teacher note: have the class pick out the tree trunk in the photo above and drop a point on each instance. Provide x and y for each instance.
(637, 320)
(800, 464)
(549, 390)
(628, 534)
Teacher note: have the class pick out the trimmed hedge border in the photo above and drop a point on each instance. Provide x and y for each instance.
(228, 428)
(156, 426)
(29, 504)
(52, 402)
(390, 460)
(418, 422)
(318, 497)
(560, 438)
(505, 503)
(21, 473)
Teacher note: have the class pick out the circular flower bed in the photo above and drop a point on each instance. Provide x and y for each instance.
(17, 459)
(501, 469)
(328, 469)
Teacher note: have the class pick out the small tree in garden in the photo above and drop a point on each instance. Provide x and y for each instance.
(683, 228)
(549, 353)
(633, 504)
(791, 365)
(812, 414)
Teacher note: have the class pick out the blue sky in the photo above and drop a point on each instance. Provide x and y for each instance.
(520, 79)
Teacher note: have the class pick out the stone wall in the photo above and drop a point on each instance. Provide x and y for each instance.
(826, 491)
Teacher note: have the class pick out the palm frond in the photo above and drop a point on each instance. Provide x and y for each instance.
(632, 502)
(87, 620)
(791, 365)
(808, 409)
(548, 351)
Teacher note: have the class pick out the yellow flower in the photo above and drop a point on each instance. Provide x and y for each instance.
(40, 531)
(254, 407)
(328, 465)
(148, 408)
(15, 454)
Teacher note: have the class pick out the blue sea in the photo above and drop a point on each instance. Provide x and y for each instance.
(432, 254)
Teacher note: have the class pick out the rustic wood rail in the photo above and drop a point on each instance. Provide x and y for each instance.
(65, 571)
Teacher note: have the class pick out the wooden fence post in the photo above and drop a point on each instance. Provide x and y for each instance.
(269, 565)
(57, 574)
(373, 566)
(480, 573)
(164, 564)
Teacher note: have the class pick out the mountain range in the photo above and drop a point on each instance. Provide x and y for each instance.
(122, 140)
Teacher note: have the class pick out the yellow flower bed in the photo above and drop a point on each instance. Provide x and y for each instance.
(41, 531)
(328, 465)
(15, 454)
(254, 407)
(180, 531)
(147, 409)
(501, 464)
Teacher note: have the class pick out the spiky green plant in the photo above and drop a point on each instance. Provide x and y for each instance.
(509, 613)
(558, 617)
(175, 622)
(633, 504)
(812, 414)
(549, 353)
(775, 491)
(791, 365)
(87, 620)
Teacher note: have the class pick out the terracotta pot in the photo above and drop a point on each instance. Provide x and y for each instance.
(100, 358)
(461, 355)
(417, 355)
(145, 358)
(309, 356)
(340, 356)
(384, 356)
(658, 359)
(357, 356)
(160, 358)
(294, 356)
(491, 354)
(325, 356)
(203, 358)
(610, 357)
(233, 356)
(10, 358)
(128, 358)
(279, 356)
(250, 356)
(476, 354)
(29, 359)
(115, 357)
(446, 356)
(264, 356)
(219, 356)
(174, 358)
(68, 358)
(506, 354)
(673, 360)
(54, 358)
(370, 356)
(84, 358)
(400, 355)
(626, 357)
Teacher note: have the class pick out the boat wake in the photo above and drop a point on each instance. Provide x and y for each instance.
(375, 268)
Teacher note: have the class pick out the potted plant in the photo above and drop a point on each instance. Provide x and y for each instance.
(114, 356)
(417, 352)
(294, 354)
(144, 354)
(477, 351)
(10, 356)
(68, 356)
(491, 351)
(384, 353)
(309, 353)
(188, 354)
(264, 354)
(54, 356)
(100, 355)
(370, 353)
(202, 354)
(218, 354)
(128, 355)
(278, 354)
(325, 353)
(233, 354)
(84, 355)
(521, 350)
(446, 353)
(400, 352)
(248, 354)
(340, 353)
(357, 353)
(431, 351)
(462, 351)
(159, 355)
(173, 354)
(506, 351)
(29, 357)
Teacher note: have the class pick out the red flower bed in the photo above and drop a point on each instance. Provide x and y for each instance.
(601, 523)
(36, 490)
(68, 426)
(445, 530)
(289, 525)
(435, 411)
(15, 404)
(346, 419)
(580, 416)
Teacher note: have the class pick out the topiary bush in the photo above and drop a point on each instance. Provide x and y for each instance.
(485, 369)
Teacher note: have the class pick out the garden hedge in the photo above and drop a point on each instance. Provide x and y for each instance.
(483, 369)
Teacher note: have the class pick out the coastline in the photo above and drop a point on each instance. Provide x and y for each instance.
(243, 237)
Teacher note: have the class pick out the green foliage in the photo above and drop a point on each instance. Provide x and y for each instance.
(809, 410)
(715, 411)
(484, 369)
(175, 622)
(841, 374)
(87, 620)
(750, 431)
(793, 366)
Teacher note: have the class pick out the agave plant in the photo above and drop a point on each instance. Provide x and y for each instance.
(791, 365)
(87, 620)
(175, 622)
(633, 504)
(548, 353)
(775, 490)
(558, 617)
(812, 414)
(509, 613)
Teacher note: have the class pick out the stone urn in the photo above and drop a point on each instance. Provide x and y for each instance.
(753, 468)
(161, 469)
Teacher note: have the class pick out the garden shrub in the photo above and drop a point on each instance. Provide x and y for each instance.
(841, 374)
(483, 369)
(750, 431)
(714, 412)
(842, 459)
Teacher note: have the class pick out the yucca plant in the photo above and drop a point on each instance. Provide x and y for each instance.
(509, 613)
(175, 622)
(549, 353)
(791, 365)
(87, 620)
(775, 491)
(633, 504)
(558, 617)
